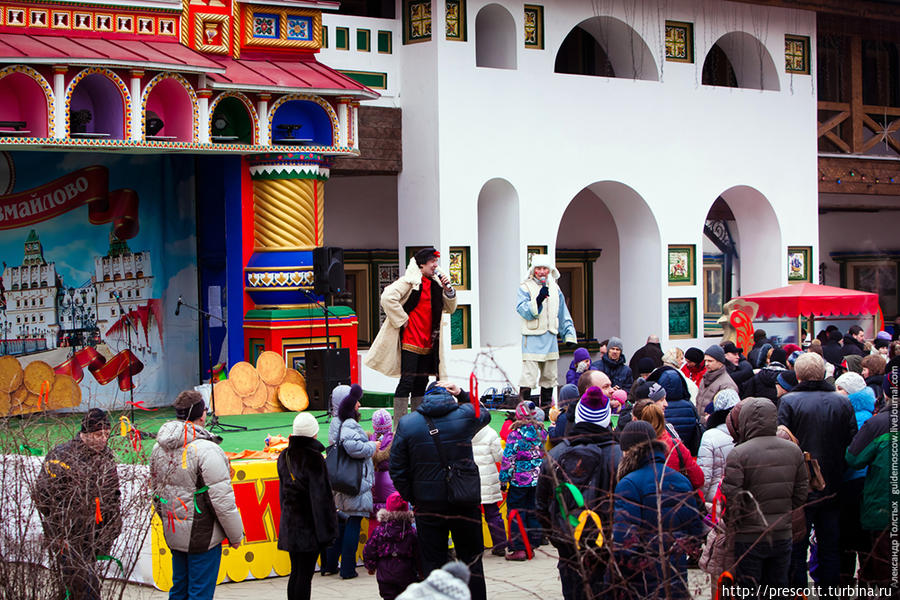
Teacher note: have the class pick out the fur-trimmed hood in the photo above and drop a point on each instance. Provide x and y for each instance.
(413, 274)
(542, 260)
(637, 457)
(384, 515)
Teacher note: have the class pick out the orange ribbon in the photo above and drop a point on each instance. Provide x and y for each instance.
(44, 397)
(473, 391)
(98, 518)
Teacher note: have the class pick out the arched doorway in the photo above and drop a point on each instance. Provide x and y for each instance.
(499, 273)
(495, 38)
(742, 250)
(738, 59)
(606, 47)
(608, 245)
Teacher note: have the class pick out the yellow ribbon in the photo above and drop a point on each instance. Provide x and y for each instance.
(582, 521)
(124, 425)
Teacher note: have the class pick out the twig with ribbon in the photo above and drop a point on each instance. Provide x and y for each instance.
(514, 515)
(473, 394)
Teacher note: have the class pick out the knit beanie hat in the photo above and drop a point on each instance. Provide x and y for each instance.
(634, 433)
(731, 348)
(778, 355)
(448, 583)
(651, 390)
(787, 380)
(567, 393)
(347, 409)
(580, 355)
(794, 356)
(337, 396)
(695, 355)
(382, 421)
(95, 419)
(715, 351)
(621, 396)
(189, 405)
(396, 503)
(539, 414)
(883, 335)
(615, 342)
(646, 365)
(305, 425)
(526, 409)
(593, 408)
(725, 399)
(850, 382)
(791, 348)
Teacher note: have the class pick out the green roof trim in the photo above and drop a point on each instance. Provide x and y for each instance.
(288, 314)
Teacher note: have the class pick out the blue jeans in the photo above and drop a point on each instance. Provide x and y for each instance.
(344, 546)
(194, 574)
(826, 519)
(523, 499)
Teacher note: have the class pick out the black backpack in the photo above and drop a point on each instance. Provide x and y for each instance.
(591, 470)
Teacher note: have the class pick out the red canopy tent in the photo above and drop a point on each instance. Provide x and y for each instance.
(811, 300)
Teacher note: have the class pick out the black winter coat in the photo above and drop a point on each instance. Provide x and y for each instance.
(618, 372)
(740, 373)
(824, 423)
(652, 350)
(762, 385)
(415, 466)
(308, 517)
(833, 353)
(851, 346)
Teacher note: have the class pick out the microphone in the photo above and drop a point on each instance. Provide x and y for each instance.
(440, 275)
(178, 306)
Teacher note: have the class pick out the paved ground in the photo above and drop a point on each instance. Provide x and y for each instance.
(537, 579)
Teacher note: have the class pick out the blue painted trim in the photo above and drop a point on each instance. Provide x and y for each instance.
(233, 262)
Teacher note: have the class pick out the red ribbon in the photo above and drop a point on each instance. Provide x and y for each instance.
(473, 390)
(515, 516)
(136, 441)
(98, 518)
(726, 575)
(123, 366)
(140, 405)
(45, 395)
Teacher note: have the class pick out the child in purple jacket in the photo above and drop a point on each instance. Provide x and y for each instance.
(383, 486)
(392, 551)
(520, 468)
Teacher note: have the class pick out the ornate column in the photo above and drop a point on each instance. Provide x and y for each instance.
(344, 116)
(136, 106)
(262, 111)
(203, 96)
(59, 104)
(288, 224)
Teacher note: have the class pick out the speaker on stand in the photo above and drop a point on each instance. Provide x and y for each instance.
(325, 370)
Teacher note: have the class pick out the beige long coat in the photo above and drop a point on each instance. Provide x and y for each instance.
(384, 354)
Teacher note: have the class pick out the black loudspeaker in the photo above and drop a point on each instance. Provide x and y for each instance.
(328, 270)
(325, 370)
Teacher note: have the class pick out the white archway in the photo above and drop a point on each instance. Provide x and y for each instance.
(750, 61)
(495, 38)
(619, 51)
(627, 277)
(499, 274)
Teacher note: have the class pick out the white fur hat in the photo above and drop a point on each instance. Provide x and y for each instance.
(306, 425)
(542, 260)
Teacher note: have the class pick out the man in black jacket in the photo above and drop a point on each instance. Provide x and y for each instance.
(832, 349)
(738, 367)
(854, 341)
(587, 459)
(432, 467)
(824, 423)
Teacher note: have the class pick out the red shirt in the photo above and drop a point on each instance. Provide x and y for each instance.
(417, 333)
(696, 375)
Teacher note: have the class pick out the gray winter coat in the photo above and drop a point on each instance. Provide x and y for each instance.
(188, 469)
(356, 443)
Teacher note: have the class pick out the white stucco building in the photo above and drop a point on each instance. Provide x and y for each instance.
(609, 134)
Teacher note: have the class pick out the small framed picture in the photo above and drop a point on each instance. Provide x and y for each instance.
(461, 327)
(682, 318)
(682, 263)
(532, 250)
(458, 267)
(799, 258)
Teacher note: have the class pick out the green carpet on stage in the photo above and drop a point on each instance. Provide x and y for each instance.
(37, 434)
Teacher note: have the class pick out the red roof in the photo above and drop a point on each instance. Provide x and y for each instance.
(46, 49)
(809, 299)
(302, 75)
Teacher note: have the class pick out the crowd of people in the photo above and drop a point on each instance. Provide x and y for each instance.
(771, 466)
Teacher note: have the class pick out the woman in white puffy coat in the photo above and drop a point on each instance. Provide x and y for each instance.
(716, 443)
(488, 451)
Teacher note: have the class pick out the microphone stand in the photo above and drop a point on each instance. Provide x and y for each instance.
(324, 308)
(212, 418)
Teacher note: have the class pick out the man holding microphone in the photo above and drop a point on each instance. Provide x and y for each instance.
(408, 345)
(542, 307)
